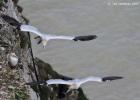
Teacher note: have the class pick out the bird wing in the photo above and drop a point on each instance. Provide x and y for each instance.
(85, 38)
(75, 38)
(111, 78)
(59, 81)
(90, 78)
(60, 37)
(29, 28)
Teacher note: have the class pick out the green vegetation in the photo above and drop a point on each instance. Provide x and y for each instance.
(13, 84)
(1, 3)
(18, 93)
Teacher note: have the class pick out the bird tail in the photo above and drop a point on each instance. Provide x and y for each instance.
(85, 38)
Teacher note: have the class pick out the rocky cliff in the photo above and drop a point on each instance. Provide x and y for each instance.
(18, 66)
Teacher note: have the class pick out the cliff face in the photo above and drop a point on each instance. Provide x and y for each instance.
(13, 43)
(18, 66)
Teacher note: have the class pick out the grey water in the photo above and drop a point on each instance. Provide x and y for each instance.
(116, 51)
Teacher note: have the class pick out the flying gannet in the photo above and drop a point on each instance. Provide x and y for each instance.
(42, 36)
(46, 37)
(76, 83)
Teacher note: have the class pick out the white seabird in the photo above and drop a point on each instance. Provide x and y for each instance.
(46, 37)
(42, 36)
(76, 83)
(13, 59)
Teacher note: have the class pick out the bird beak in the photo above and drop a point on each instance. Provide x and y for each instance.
(44, 42)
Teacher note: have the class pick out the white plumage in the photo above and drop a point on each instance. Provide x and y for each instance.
(13, 59)
(47, 37)
(75, 83)
(59, 81)
(29, 28)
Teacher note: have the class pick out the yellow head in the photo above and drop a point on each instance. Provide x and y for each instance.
(74, 86)
(44, 42)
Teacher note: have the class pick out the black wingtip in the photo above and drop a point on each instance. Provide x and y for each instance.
(111, 78)
(36, 83)
(85, 38)
(11, 21)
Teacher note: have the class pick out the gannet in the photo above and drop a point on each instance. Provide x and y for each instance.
(42, 36)
(13, 59)
(46, 37)
(76, 83)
